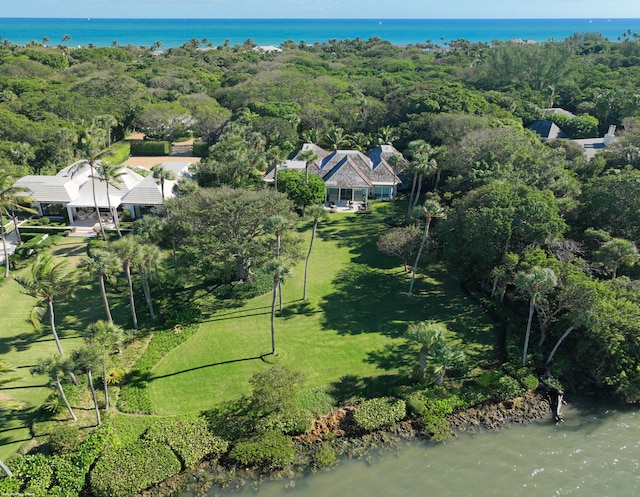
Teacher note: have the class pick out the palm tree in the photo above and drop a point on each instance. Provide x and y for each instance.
(311, 136)
(361, 141)
(276, 225)
(11, 198)
(161, 175)
(105, 338)
(444, 357)
(105, 265)
(309, 157)
(317, 213)
(87, 358)
(280, 274)
(430, 210)
(149, 255)
(55, 367)
(106, 122)
(534, 282)
(386, 135)
(336, 138)
(422, 164)
(90, 148)
(111, 175)
(48, 281)
(22, 153)
(425, 334)
(128, 251)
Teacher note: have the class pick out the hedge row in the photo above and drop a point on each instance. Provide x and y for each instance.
(270, 449)
(118, 153)
(200, 149)
(148, 147)
(134, 396)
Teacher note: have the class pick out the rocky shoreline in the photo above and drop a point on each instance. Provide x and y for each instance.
(336, 430)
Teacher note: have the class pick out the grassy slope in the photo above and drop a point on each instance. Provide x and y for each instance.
(351, 325)
(21, 347)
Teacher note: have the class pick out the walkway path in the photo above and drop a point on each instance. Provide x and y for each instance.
(12, 243)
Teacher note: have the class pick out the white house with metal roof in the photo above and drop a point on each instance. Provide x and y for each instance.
(72, 190)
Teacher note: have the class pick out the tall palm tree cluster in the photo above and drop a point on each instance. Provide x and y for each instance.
(48, 281)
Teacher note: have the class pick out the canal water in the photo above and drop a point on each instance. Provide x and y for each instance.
(594, 453)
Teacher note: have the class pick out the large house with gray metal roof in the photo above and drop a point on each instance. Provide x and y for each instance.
(70, 193)
(349, 175)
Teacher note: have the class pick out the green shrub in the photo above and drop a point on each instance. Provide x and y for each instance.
(130, 468)
(292, 422)
(34, 472)
(269, 449)
(150, 148)
(432, 407)
(200, 149)
(134, 396)
(379, 413)
(190, 439)
(66, 438)
(324, 456)
(508, 388)
(530, 382)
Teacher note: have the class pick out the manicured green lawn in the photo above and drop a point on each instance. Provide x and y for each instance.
(350, 327)
(21, 346)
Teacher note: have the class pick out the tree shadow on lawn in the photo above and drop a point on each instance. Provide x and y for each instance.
(19, 343)
(350, 387)
(149, 377)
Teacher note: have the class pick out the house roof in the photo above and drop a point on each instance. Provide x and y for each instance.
(50, 189)
(347, 175)
(345, 168)
(547, 130)
(102, 200)
(147, 192)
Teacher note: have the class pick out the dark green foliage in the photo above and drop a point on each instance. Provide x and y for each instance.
(147, 147)
(48, 58)
(269, 449)
(58, 476)
(379, 413)
(323, 456)
(293, 421)
(432, 407)
(200, 149)
(190, 439)
(65, 438)
(302, 193)
(274, 390)
(132, 467)
(134, 396)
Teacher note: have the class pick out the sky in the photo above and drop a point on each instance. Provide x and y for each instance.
(301, 9)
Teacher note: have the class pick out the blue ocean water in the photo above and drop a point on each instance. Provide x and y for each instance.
(175, 32)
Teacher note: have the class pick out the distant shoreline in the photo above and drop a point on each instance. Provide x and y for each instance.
(178, 31)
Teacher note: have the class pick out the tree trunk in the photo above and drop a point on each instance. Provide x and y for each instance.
(146, 290)
(106, 386)
(532, 304)
(114, 215)
(103, 292)
(415, 265)
(280, 294)
(306, 262)
(132, 300)
(437, 180)
(52, 317)
(64, 399)
(273, 317)
(560, 340)
(15, 227)
(440, 377)
(95, 202)
(5, 469)
(413, 188)
(93, 395)
(418, 190)
(423, 360)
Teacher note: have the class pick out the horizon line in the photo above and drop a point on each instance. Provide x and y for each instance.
(328, 18)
